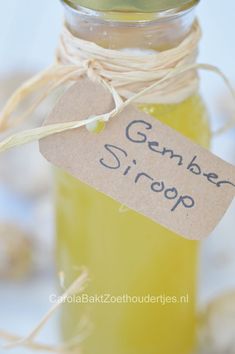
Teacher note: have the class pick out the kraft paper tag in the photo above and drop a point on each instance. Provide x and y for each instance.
(141, 163)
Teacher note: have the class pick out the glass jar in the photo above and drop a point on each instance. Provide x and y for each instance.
(128, 256)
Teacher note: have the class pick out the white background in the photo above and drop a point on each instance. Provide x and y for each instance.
(38, 23)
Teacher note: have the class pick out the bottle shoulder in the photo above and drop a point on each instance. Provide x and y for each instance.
(189, 117)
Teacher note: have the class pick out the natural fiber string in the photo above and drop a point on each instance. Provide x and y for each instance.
(130, 73)
(29, 342)
(166, 77)
(76, 57)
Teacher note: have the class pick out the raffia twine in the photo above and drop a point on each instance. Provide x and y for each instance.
(29, 341)
(166, 77)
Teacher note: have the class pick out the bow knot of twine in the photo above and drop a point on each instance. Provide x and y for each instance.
(92, 69)
(166, 77)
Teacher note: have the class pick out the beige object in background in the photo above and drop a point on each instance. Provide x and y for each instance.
(25, 174)
(15, 252)
(217, 333)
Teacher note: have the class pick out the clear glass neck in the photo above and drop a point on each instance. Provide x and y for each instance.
(130, 30)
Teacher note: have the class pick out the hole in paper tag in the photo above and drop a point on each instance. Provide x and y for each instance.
(141, 163)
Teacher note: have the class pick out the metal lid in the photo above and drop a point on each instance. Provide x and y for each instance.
(134, 5)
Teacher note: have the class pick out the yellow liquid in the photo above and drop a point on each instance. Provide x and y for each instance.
(127, 253)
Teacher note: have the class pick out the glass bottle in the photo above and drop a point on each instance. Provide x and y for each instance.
(126, 253)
